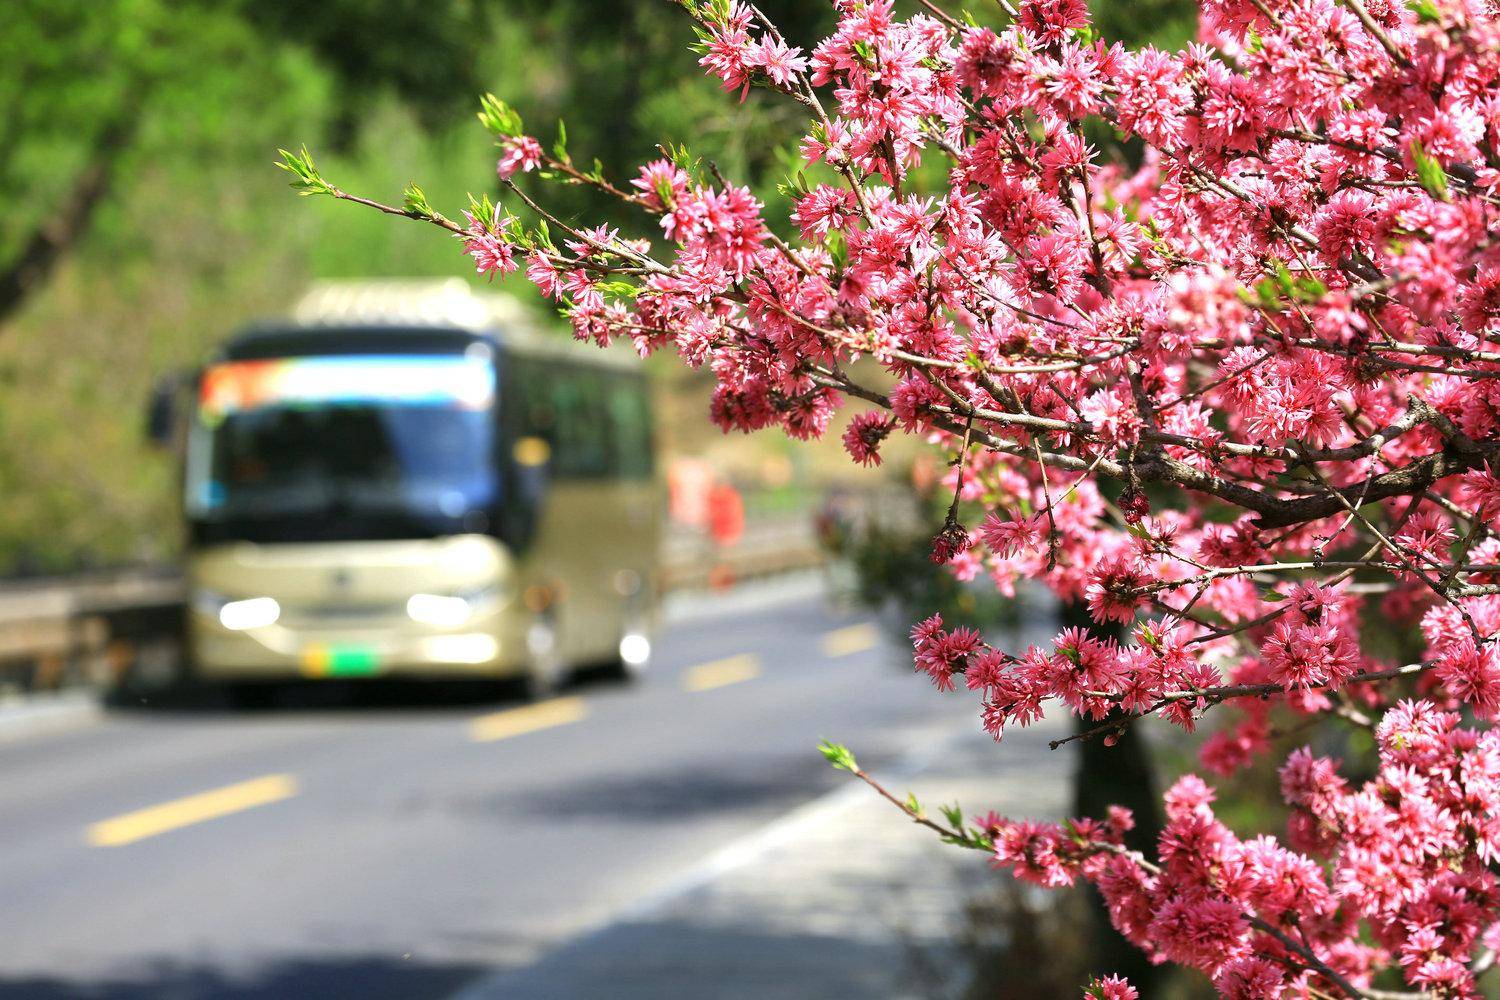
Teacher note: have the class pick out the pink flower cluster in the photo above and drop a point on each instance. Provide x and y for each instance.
(735, 54)
(1239, 395)
(521, 153)
(1111, 988)
(1405, 857)
(492, 255)
(1089, 675)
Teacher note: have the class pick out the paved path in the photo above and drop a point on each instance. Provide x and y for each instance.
(841, 898)
(376, 850)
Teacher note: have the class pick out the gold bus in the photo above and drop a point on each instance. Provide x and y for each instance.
(408, 479)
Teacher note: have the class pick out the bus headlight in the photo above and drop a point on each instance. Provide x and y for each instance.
(635, 650)
(438, 610)
(461, 648)
(254, 612)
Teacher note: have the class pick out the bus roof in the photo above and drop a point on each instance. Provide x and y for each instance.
(402, 310)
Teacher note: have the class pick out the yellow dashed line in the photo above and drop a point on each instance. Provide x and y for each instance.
(719, 673)
(851, 640)
(519, 721)
(133, 826)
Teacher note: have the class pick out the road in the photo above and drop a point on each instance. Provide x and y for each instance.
(379, 850)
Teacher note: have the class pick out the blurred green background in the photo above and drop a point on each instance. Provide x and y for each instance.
(144, 221)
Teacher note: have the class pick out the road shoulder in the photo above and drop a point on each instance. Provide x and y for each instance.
(45, 713)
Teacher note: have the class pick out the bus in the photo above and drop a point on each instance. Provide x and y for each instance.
(408, 479)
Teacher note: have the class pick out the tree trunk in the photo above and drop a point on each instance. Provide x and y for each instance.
(1121, 774)
(57, 233)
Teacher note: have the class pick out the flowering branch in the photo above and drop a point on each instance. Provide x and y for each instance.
(1239, 395)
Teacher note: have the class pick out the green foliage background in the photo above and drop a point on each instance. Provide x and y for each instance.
(198, 233)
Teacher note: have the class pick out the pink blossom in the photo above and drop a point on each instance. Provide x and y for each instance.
(729, 52)
(521, 153)
(1238, 394)
(1007, 537)
(1111, 988)
(1050, 20)
(662, 184)
(780, 62)
(492, 255)
(863, 437)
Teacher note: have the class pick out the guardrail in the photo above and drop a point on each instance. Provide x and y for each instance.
(692, 561)
(95, 629)
(86, 630)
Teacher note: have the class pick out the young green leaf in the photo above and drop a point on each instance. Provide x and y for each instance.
(1427, 12)
(838, 755)
(498, 117)
(483, 211)
(414, 201)
(1283, 276)
(1430, 173)
(305, 176)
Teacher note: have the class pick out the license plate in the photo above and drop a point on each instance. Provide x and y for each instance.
(340, 661)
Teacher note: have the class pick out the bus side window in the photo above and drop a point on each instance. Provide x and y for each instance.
(596, 433)
(630, 424)
(536, 409)
(564, 450)
(581, 426)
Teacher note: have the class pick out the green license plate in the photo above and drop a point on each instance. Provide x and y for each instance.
(340, 661)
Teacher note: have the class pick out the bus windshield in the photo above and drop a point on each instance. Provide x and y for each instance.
(343, 448)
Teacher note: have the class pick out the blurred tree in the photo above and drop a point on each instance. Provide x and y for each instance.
(76, 72)
(135, 138)
(1167, 24)
(143, 221)
(550, 58)
(92, 79)
(425, 52)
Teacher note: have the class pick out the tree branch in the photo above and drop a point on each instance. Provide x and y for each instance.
(59, 231)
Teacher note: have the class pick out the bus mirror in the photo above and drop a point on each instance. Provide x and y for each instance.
(161, 413)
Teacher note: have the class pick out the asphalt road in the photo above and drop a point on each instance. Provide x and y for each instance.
(371, 849)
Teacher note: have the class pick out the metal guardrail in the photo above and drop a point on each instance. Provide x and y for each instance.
(692, 561)
(87, 629)
(94, 629)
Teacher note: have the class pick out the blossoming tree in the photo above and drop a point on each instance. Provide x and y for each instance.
(1239, 396)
